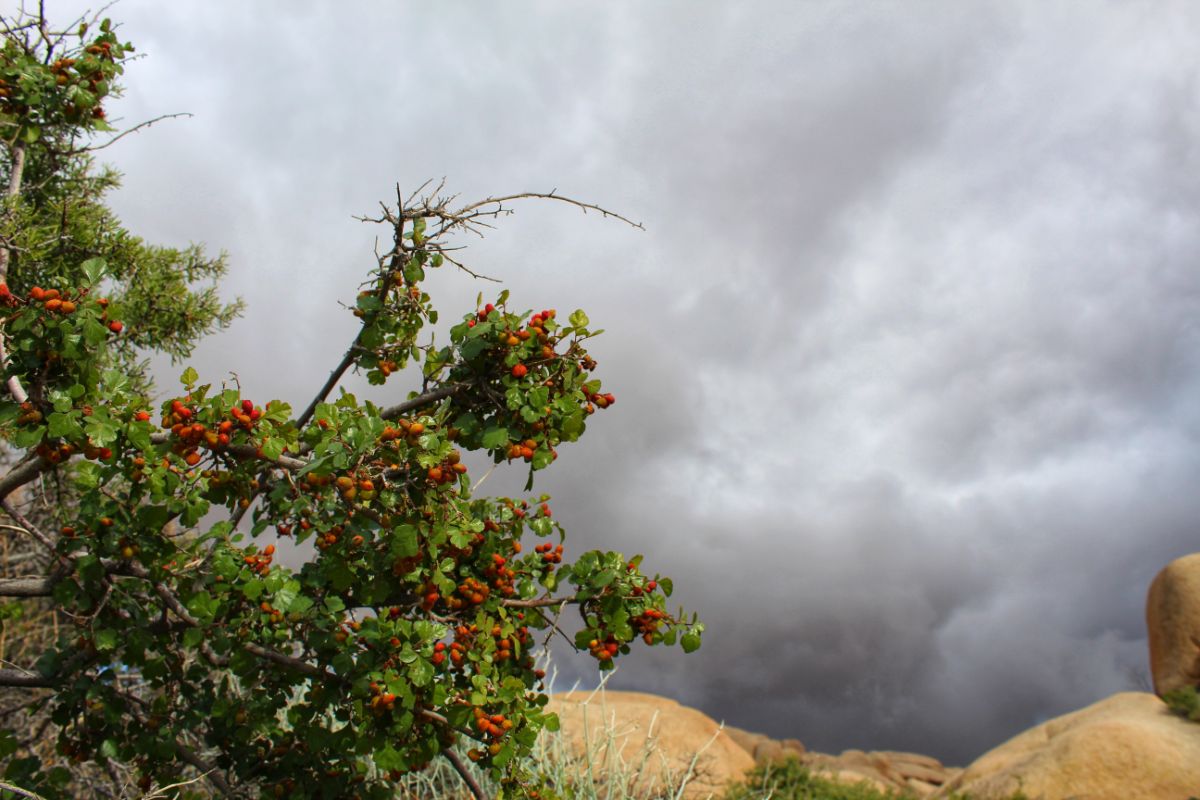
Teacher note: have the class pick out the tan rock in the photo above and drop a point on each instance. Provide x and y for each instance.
(744, 738)
(1126, 747)
(763, 748)
(921, 788)
(654, 742)
(909, 758)
(794, 745)
(1173, 625)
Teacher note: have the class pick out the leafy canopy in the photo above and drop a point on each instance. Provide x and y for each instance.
(410, 630)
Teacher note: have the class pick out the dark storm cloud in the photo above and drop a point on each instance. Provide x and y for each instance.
(906, 358)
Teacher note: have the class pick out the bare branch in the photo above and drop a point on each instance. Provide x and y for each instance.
(24, 472)
(8, 787)
(26, 587)
(469, 779)
(422, 400)
(540, 603)
(332, 381)
(134, 129)
(15, 175)
(26, 524)
(28, 680)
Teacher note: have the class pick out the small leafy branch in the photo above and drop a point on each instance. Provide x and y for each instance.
(412, 628)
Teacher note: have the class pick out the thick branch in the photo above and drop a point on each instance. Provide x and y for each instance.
(465, 774)
(422, 400)
(8, 787)
(26, 587)
(28, 680)
(330, 382)
(541, 602)
(22, 473)
(15, 175)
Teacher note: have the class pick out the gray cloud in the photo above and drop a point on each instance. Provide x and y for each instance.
(906, 356)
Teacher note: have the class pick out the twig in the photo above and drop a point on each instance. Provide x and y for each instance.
(134, 129)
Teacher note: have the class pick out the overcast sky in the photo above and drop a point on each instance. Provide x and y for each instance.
(906, 357)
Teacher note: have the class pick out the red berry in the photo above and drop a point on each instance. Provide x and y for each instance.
(115, 326)
(519, 371)
(247, 406)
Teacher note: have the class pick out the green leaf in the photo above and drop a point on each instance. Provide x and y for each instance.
(286, 596)
(253, 589)
(495, 437)
(192, 637)
(604, 578)
(272, 448)
(93, 270)
(404, 541)
(94, 333)
(101, 432)
(579, 319)
(63, 426)
(106, 639)
(690, 642)
(189, 377)
(421, 672)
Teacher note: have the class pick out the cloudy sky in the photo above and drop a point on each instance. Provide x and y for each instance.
(906, 356)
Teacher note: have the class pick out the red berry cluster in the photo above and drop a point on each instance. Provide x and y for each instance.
(481, 314)
(596, 399)
(647, 623)
(193, 435)
(381, 701)
(501, 575)
(407, 430)
(261, 562)
(29, 414)
(62, 303)
(551, 554)
(472, 591)
(493, 726)
(274, 615)
(448, 471)
(604, 650)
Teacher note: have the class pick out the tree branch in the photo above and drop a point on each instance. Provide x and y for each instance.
(8, 787)
(422, 400)
(26, 587)
(540, 603)
(28, 680)
(15, 175)
(22, 473)
(465, 774)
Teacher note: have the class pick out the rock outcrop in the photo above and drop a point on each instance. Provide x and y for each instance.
(1126, 747)
(1173, 625)
(765, 749)
(885, 770)
(651, 740)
